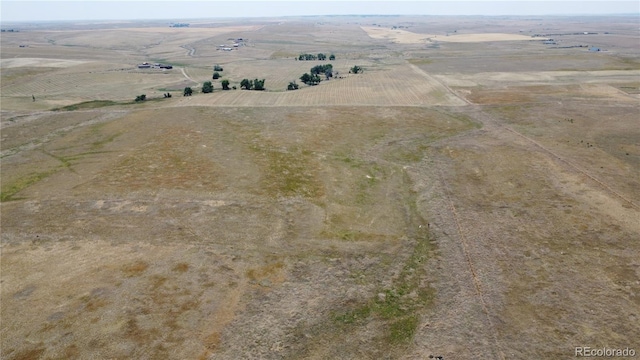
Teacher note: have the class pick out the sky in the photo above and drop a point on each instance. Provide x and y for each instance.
(51, 10)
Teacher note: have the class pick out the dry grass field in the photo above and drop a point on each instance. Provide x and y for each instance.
(472, 196)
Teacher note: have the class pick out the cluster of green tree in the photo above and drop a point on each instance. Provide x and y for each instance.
(252, 84)
(207, 87)
(139, 98)
(292, 86)
(322, 69)
(313, 77)
(327, 70)
(320, 56)
(355, 69)
(310, 79)
(216, 69)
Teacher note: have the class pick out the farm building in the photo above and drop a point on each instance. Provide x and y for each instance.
(146, 65)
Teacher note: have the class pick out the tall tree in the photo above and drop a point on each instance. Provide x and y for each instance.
(246, 84)
(187, 91)
(305, 78)
(258, 84)
(225, 84)
(207, 87)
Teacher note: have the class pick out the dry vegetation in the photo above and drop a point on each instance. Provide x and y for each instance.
(471, 199)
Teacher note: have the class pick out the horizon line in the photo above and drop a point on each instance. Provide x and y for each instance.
(321, 15)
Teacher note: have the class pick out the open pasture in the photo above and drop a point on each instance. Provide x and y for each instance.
(471, 200)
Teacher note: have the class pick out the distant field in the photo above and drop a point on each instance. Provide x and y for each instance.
(472, 194)
(408, 37)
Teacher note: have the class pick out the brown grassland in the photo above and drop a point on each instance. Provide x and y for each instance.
(473, 194)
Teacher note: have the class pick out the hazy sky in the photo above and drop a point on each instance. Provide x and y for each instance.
(154, 9)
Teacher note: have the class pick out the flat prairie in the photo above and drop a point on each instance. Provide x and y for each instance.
(473, 193)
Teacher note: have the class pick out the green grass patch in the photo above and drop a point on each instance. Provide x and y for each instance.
(399, 306)
(9, 192)
(66, 161)
(93, 104)
(403, 330)
(356, 315)
(288, 172)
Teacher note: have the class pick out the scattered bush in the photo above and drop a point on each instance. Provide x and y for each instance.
(225, 84)
(292, 86)
(140, 98)
(187, 91)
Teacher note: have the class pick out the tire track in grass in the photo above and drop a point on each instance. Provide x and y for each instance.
(472, 269)
(433, 80)
(575, 168)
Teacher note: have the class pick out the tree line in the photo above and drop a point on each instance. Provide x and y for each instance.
(319, 56)
(311, 78)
